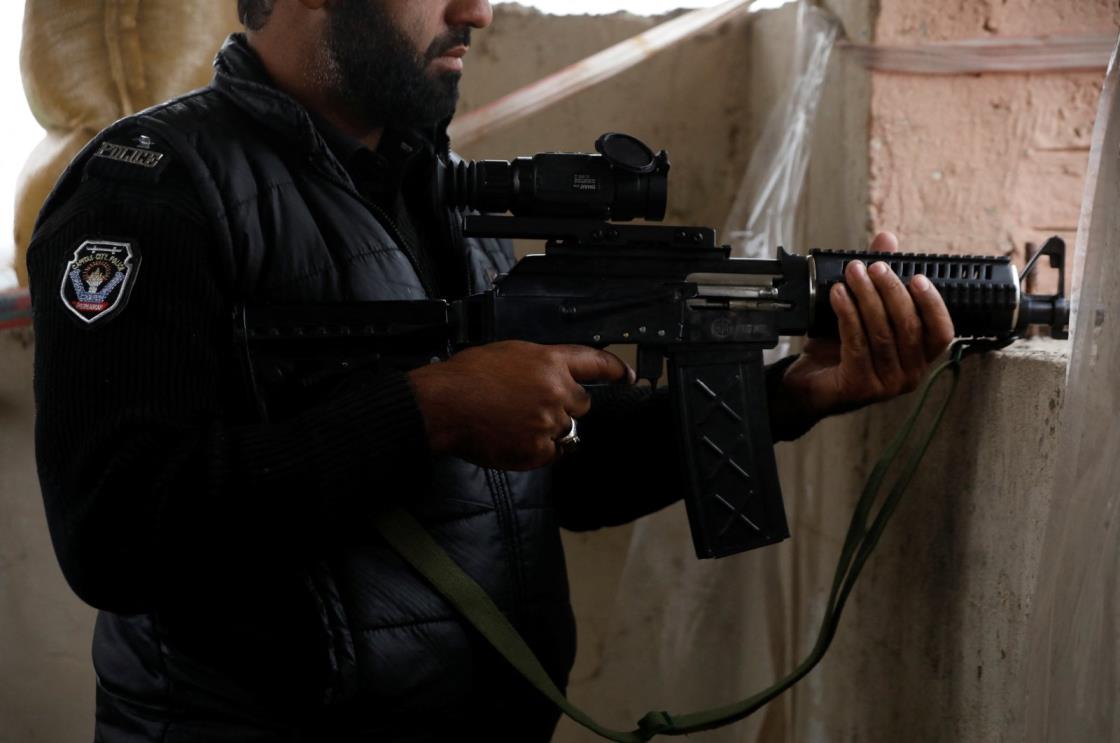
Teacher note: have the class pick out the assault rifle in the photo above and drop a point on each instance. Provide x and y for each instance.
(672, 291)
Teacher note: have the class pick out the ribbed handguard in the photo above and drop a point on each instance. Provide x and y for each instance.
(981, 292)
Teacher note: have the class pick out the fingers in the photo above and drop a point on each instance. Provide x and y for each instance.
(904, 321)
(589, 365)
(938, 325)
(577, 405)
(885, 242)
(505, 405)
(855, 353)
(889, 335)
(879, 336)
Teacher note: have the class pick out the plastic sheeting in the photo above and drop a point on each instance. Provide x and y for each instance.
(1073, 686)
(87, 63)
(764, 212)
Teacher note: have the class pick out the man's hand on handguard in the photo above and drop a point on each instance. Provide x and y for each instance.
(505, 405)
(890, 334)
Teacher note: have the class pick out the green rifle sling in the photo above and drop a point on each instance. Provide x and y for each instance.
(419, 549)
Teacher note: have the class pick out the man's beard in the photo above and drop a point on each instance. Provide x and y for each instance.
(373, 69)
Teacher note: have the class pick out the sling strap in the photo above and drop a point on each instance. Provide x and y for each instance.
(417, 547)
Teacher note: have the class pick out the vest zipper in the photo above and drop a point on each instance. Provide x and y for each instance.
(408, 248)
(497, 480)
(455, 233)
(507, 521)
(386, 221)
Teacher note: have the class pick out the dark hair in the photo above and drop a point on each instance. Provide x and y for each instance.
(254, 13)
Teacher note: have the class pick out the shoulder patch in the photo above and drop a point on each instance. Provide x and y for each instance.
(99, 278)
(137, 159)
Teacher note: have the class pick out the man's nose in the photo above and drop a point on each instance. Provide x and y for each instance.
(473, 13)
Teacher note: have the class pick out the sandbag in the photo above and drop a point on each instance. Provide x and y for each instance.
(87, 63)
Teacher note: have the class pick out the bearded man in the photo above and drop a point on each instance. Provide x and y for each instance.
(243, 595)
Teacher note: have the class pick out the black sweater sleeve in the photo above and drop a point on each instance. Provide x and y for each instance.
(152, 485)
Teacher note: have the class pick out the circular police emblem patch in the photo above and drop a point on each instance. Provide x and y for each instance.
(98, 279)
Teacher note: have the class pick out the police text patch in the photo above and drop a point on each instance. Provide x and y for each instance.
(145, 158)
(98, 279)
(136, 160)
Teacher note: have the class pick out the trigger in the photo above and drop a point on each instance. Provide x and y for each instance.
(651, 362)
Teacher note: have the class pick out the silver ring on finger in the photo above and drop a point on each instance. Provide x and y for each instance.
(568, 444)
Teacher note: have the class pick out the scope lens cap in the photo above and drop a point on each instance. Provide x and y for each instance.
(626, 152)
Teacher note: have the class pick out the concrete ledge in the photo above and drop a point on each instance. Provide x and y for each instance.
(946, 601)
(934, 640)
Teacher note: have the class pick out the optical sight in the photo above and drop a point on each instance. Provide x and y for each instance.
(625, 181)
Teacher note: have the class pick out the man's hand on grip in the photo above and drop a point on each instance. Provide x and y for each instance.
(504, 405)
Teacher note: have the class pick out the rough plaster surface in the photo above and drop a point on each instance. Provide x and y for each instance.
(836, 206)
(693, 99)
(933, 646)
(982, 163)
(1074, 676)
(920, 21)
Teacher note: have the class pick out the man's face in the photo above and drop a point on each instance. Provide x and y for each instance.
(398, 62)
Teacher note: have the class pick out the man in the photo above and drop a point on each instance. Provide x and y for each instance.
(243, 595)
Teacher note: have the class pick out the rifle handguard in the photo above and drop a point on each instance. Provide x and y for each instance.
(982, 293)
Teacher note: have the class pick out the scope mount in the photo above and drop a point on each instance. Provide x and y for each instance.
(582, 236)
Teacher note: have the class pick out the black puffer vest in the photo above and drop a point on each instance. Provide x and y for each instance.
(401, 665)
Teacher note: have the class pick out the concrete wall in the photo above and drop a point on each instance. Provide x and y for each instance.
(1073, 680)
(983, 163)
(933, 647)
(693, 100)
